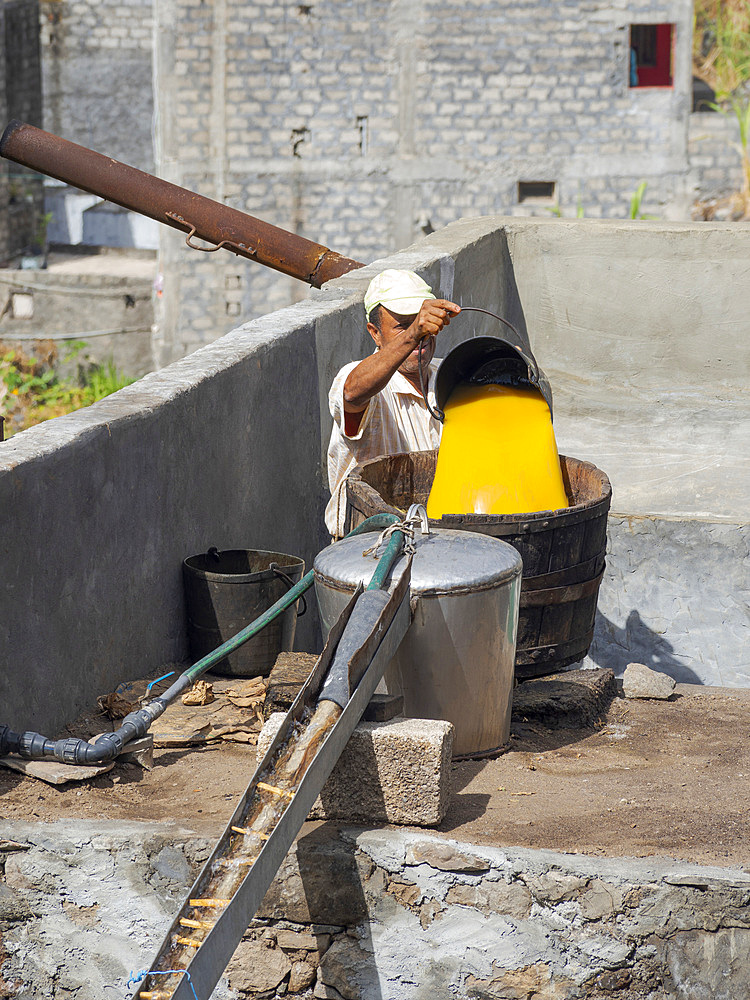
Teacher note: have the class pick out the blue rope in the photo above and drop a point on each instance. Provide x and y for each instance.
(168, 972)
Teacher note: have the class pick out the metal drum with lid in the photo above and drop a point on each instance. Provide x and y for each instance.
(456, 660)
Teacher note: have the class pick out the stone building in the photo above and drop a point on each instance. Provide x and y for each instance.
(98, 91)
(363, 124)
(21, 195)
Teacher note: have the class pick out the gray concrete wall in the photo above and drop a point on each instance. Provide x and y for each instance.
(113, 316)
(226, 446)
(643, 330)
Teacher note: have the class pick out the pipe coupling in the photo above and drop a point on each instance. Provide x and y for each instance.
(33, 746)
(8, 741)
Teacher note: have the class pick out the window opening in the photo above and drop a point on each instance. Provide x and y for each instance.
(536, 191)
(651, 55)
(22, 305)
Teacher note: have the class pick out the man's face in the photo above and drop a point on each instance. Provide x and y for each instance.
(391, 325)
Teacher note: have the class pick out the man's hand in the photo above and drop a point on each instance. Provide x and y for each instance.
(432, 317)
(398, 339)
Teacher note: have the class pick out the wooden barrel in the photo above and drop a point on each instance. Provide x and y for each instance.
(563, 551)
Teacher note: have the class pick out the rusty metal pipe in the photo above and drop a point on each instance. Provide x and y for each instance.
(221, 226)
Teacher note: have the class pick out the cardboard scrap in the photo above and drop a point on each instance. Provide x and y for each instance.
(116, 706)
(248, 694)
(234, 715)
(201, 693)
(178, 734)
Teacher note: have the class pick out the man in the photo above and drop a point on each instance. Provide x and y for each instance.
(377, 404)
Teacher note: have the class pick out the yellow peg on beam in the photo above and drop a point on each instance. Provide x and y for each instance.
(189, 942)
(283, 792)
(252, 833)
(200, 925)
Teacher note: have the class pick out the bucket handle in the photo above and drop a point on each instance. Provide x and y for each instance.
(437, 413)
(290, 583)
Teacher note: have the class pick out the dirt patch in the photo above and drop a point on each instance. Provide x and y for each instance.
(669, 778)
(658, 778)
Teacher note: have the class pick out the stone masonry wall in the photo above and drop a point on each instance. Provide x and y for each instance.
(97, 75)
(713, 140)
(376, 915)
(362, 125)
(4, 166)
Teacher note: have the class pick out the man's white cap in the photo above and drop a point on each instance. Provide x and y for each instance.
(402, 292)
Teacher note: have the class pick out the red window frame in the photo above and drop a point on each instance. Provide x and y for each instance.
(654, 47)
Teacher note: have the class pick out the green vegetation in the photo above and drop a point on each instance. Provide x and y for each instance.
(721, 57)
(31, 390)
(635, 203)
(634, 211)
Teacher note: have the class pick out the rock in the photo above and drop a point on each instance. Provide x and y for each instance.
(518, 984)
(171, 864)
(709, 966)
(302, 977)
(317, 882)
(554, 887)
(324, 992)
(255, 967)
(445, 857)
(13, 906)
(513, 900)
(428, 911)
(406, 893)
(568, 699)
(639, 681)
(600, 900)
(341, 967)
(301, 941)
(620, 979)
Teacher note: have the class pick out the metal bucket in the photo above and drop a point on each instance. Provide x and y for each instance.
(225, 591)
(488, 361)
(456, 661)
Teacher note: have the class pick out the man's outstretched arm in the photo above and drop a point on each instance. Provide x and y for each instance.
(395, 343)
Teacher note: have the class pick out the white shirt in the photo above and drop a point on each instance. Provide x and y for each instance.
(395, 420)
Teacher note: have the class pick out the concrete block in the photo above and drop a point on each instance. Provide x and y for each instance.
(389, 772)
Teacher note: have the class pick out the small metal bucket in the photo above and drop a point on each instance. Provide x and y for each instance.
(225, 591)
(487, 361)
